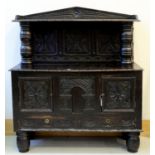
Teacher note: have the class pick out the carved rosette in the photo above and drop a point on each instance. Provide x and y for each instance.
(25, 37)
(127, 43)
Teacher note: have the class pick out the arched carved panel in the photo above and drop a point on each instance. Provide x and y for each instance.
(77, 95)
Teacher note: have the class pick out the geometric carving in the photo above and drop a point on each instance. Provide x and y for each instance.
(119, 93)
(53, 43)
(77, 94)
(108, 40)
(35, 93)
(76, 42)
(86, 84)
(45, 42)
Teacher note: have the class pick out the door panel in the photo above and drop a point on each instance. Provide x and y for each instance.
(35, 94)
(118, 93)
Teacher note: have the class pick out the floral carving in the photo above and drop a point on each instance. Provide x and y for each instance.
(118, 94)
(35, 94)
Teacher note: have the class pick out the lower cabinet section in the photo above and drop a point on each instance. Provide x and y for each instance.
(99, 102)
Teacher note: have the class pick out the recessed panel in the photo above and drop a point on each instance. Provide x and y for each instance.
(77, 95)
(35, 94)
(76, 42)
(118, 93)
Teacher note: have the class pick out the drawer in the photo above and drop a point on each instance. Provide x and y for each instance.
(108, 121)
(82, 122)
(32, 123)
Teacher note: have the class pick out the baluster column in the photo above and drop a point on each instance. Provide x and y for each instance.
(127, 43)
(25, 37)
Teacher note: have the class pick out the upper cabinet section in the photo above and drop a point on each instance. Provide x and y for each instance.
(84, 35)
(76, 14)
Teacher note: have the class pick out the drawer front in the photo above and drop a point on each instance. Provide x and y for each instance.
(104, 122)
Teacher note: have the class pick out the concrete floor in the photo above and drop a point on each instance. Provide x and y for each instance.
(77, 145)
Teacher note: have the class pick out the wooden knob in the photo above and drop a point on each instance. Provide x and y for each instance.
(108, 120)
(47, 121)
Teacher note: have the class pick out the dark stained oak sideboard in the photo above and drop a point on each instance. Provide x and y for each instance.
(77, 74)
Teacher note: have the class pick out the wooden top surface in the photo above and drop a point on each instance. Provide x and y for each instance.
(77, 68)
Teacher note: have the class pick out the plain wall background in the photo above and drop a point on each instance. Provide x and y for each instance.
(23, 7)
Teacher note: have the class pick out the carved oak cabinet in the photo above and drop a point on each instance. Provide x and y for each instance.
(77, 74)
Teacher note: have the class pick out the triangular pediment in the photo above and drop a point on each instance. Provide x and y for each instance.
(76, 14)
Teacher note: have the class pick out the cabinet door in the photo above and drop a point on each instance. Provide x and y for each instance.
(118, 94)
(35, 94)
(77, 94)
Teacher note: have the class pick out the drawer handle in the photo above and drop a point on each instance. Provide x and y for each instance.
(101, 101)
(46, 121)
(108, 121)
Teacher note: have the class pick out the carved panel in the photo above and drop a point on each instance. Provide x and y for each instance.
(86, 84)
(108, 41)
(73, 42)
(118, 93)
(77, 94)
(35, 94)
(76, 42)
(44, 41)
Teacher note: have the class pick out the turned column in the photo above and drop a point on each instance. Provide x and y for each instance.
(26, 51)
(127, 43)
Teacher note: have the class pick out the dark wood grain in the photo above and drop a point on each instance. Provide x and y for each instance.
(77, 75)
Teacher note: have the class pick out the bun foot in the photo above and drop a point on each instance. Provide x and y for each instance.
(23, 142)
(132, 142)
